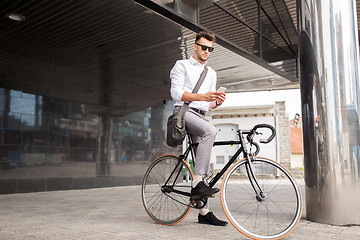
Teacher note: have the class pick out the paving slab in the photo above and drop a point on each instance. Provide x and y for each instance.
(117, 213)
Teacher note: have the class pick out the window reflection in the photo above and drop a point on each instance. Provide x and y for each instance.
(42, 137)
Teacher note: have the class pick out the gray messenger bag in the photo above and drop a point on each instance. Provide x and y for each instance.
(176, 130)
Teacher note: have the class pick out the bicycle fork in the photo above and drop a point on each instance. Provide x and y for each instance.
(260, 194)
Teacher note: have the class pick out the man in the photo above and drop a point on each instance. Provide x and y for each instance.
(184, 76)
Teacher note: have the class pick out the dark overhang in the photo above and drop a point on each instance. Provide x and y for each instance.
(115, 56)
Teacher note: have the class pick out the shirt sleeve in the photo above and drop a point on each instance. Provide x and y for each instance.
(213, 86)
(177, 76)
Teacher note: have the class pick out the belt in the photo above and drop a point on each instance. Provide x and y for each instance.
(199, 111)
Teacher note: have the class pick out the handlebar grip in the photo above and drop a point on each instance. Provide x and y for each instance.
(273, 132)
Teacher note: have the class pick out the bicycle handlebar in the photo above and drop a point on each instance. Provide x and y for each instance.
(273, 132)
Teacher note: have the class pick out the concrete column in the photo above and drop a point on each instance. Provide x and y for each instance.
(329, 79)
(103, 163)
(106, 82)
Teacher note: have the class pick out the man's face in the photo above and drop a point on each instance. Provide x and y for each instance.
(202, 55)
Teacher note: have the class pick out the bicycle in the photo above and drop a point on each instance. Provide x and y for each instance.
(260, 197)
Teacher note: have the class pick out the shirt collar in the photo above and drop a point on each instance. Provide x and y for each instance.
(194, 62)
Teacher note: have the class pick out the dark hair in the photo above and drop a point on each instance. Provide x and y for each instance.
(208, 35)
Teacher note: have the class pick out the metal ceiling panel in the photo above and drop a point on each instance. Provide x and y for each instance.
(107, 54)
(115, 56)
(264, 28)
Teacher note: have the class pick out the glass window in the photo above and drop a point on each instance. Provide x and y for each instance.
(220, 159)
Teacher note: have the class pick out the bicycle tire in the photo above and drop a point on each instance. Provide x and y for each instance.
(167, 207)
(273, 218)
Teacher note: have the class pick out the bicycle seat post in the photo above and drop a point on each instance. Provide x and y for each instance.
(192, 150)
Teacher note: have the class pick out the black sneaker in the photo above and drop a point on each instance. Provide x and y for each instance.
(210, 218)
(201, 189)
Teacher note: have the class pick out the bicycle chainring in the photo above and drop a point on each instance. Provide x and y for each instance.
(199, 202)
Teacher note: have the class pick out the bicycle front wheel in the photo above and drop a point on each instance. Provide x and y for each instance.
(165, 185)
(272, 216)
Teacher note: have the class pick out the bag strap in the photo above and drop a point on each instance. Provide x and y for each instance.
(185, 106)
(200, 81)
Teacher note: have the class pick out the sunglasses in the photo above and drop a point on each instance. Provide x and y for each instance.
(203, 47)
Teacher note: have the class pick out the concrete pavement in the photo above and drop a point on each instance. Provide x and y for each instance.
(117, 213)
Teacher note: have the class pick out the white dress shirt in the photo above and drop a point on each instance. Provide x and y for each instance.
(184, 76)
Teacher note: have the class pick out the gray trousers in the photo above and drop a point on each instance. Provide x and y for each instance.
(204, 133)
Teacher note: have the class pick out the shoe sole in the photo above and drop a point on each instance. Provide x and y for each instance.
(204, 195)
(220, 225)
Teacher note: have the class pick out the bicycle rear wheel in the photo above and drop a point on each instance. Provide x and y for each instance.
(272, 217)
(166, 175)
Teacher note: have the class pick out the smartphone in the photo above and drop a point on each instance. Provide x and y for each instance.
(221, 89)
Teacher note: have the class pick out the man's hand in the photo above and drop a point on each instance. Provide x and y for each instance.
(221, 96)
(215, 98)
(210, 96)
(207, 97)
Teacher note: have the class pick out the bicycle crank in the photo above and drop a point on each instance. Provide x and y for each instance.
(199, 202)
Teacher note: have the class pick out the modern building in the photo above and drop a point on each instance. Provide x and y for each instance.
(84, 86)
(51, 144)
(83, 82)
(228, 120)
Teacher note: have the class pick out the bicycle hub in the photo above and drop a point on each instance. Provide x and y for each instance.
(260, 197)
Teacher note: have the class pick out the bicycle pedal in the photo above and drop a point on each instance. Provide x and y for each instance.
(195, 197)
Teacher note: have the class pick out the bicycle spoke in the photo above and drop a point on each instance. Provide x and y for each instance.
(250, 215)
(245, 189)
(242, 205)
(173, 198)
(267, 216)
(257, 214)
(162, 204)
(274, 220)
(280, 207)
(177, 206)
(185, 199)
(155, 195)
(155, 181)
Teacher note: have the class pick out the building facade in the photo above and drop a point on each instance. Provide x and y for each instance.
(51, 144)
(228, 120)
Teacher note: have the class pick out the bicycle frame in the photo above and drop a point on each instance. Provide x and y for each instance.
(252, 189)
(242, 149)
